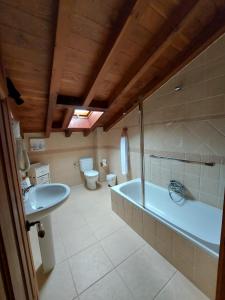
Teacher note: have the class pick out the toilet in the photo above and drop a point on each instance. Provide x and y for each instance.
(91, 176)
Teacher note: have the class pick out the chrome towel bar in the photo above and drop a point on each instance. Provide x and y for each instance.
(210, 164)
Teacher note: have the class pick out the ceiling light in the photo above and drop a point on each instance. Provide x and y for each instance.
(178, 88)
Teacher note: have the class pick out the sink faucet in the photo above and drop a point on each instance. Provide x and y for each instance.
(25, 190)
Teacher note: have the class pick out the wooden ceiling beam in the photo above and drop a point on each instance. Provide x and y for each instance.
(132, 7)
(86, 132)
(3, 84)
(161, 40)
(77, 102)
(207, 36)
(3, 87)
(68, 133)
(70, 129)
(66, 106)
(68, 116)
(63, 29)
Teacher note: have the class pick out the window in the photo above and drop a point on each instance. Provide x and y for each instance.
(82, 113)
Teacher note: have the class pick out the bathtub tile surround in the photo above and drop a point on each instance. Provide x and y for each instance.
(197, 265)
(118, 264)
(183, 255)
(204, 183)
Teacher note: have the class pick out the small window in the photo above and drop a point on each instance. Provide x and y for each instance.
(82, 113)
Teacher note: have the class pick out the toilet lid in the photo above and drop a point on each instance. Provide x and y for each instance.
(91, 173)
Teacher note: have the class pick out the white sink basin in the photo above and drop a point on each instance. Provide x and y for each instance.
(41, 200)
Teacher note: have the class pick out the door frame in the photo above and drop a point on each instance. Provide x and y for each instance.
(220, 290)
(16, 262)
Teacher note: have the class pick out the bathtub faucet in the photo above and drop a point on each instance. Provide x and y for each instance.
(176, 191)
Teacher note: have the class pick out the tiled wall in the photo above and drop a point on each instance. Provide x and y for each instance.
(63, 155)
(186, 124)
(202, 90)
(196, 264)
(197, 140)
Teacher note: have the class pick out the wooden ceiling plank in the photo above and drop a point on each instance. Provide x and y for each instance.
(208, 35)
(125, 20)
(63, 29)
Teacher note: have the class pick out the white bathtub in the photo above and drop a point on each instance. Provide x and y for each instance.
(197, 221)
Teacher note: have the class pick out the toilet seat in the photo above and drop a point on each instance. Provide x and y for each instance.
(91, 173)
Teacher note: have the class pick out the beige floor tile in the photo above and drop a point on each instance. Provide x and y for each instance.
(179, 287)
(89, 266)
(68, 221)
(78, 240)
(111, 287)
(58, 284)
(145, 273)
(119, 245)
(94, 218)
(97, 210)
(106, 224)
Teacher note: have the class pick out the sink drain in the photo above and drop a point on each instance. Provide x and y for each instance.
(40, 207)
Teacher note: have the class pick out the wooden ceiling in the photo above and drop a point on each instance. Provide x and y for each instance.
(105, 55)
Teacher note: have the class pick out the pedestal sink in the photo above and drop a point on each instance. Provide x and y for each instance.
(39, 202)
(42, 199)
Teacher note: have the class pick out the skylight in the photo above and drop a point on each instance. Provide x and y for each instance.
(84, 118)
(81, 113)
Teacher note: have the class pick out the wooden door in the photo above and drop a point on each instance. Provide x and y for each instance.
(16, 266)
(220, 293)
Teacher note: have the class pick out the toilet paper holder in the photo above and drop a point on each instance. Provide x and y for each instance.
(103, 163)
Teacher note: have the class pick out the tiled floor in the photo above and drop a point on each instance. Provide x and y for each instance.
(99, 257)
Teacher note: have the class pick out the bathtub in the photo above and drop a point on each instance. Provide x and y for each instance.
(194, 220)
